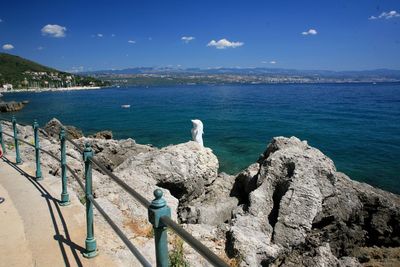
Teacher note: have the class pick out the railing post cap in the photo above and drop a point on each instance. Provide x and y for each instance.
(159, 202)
(87, 147)
(158, 193)
(87, 152)
(158, 208)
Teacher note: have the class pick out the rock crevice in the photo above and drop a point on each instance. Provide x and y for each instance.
(289, 208)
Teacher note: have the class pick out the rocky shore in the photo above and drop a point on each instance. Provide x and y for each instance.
(11, 106)
(289, 208)
(59, 89)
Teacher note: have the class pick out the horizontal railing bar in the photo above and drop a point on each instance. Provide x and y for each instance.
(23, 141)
(108, 219)
(121, 235)
(41, 149)
(74, 144)
(10, 121)
(194, 243)
(124, 185)
(76, 177)
(126, 241)
(44, 132)
(10, 135)
(50, 154)
(116, 229)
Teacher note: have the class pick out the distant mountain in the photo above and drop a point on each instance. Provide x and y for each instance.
(388, 73)
(175, 76)
(24, 73)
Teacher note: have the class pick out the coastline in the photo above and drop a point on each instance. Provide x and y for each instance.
(39, 90)
(327, 203)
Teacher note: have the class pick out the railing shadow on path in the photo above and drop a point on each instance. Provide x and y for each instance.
(51, 203)
(159, 213)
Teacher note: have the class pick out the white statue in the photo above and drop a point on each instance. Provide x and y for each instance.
(197, 131)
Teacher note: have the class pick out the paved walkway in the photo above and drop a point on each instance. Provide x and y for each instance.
(34, 229)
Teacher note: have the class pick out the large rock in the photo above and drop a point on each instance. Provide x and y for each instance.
(214, 206)
(107, 135)
(53, 128)
(185, 169)
(112, 153)
(11, 106)
(290, 208)
(295, 200)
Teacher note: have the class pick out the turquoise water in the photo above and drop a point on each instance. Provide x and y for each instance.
(357, 125)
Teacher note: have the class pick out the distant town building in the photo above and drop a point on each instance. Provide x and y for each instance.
(7, 87)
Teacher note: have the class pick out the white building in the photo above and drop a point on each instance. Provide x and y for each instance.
(7, 87)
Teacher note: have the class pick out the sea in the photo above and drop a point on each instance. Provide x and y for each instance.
(356, 125)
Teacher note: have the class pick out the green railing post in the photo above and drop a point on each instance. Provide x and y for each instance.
(90, 242)
(37, 150)
(17, 156)
(64, 194)
(2, 140)
(157, 209)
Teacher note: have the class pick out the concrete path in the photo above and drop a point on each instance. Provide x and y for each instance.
(34, 229)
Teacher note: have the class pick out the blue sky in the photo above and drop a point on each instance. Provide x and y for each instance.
(93, 35)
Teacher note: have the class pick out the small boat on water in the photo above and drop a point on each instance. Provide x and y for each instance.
(125, 106)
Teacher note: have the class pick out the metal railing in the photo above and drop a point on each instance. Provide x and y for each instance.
(159, 214)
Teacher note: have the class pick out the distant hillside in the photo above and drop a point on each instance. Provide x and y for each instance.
(23, 73)
(148, 76)
(387, 73)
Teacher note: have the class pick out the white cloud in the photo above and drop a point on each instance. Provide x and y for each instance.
(132, 42)
(187, 39)
(40, 48)
(76, 69)
(1, 20)
(269, 62)
(224, 43)
(8, 47)
(386, 15)
(54, 30)
(310, 32)
(100, 35)
(112, 35)
(390, 14)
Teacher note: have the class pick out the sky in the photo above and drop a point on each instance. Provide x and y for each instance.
(97, 35)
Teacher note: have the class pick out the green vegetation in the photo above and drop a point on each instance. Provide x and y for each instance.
(176, 255)
(23, 73)
(82, 199)
(10, 146)
(161, 80)
(150, 233)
